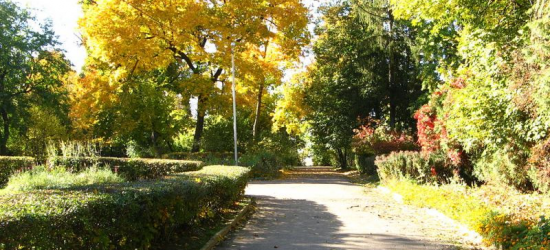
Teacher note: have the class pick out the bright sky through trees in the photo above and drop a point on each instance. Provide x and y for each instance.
(64, 15)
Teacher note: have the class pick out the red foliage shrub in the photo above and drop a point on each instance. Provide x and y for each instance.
(375, 139)
(428, 138)
(433, 137)
(459, 83)
(539, 162)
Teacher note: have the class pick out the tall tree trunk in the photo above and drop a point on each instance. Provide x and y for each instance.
(154, 140)
(391, 88)
(342, 158)
(199, 128)
(391, 72)
(6, 133)
(256, 128)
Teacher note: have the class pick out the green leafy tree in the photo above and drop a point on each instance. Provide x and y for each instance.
(484, 106)
(394, 40)
(352, 78)
(31, 68)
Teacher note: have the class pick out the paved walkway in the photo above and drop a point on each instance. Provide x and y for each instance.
(326, 211)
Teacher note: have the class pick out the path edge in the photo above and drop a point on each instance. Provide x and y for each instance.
(468, 234)
(220, 235)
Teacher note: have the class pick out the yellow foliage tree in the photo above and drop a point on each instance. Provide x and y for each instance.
(291, 111)
(88, 95)
(142, 35)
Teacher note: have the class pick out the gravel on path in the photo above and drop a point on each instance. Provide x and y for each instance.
(326, 211)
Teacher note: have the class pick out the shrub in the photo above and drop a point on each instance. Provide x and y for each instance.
(129, 168)
(506, 232)
(539, 164)
(227, 183)
(414, 165)
(502, 167)
(365, 164)
(220, 158)
(140, 215)
(11, 165)
(433, 137)
(41, 178)
(429, 129)
(263, 164)
(376, 139)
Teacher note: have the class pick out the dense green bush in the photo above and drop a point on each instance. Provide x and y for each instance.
(263, 164)
(129, 168)
(10, 165)
(365, 164)
(222, 158)
(139, 215)
(413, 165)
(506, 232)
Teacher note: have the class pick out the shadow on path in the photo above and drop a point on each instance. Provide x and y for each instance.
(303, 224)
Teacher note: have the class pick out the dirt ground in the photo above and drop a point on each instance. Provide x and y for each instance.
(321, 209)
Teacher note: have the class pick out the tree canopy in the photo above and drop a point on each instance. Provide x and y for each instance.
(196, 37)
(32, 69)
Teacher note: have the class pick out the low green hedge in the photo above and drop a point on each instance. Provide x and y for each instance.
(10, 165)
(262, 164)
(139, 215)
(208, 157)
(129, 168)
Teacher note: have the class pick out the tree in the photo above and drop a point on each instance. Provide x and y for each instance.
(31, 68)
(291, 109)
(143, 110)
(441, 24)
(350, 82)
(482, 104)
(197, 36)
(393, 37)
(262, 70)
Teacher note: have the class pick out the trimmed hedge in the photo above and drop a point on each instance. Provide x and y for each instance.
(209, 157)
(11, 165)
(129, 168)
(139, 215)
(262, 164)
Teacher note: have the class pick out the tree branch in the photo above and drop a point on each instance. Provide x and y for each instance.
(184, 57)
(217, 74)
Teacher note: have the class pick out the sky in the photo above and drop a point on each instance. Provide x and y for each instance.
(64, 15)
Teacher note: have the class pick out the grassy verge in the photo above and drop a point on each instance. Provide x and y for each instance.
(505, 218)
(129, 168)
(59, 178)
